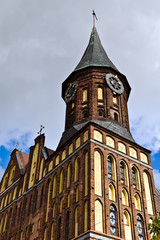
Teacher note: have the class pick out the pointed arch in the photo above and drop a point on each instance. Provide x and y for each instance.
(146, 180)
(112, 194)
(41, 169)
(97, 173)
(77, 193)
(54, 186)
(127, 225)
(125, 197)
(97, 135)
(137, 201)
(98, 216)
(67, 225)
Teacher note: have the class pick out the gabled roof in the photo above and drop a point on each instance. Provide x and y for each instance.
(95, 54)
(22, 159)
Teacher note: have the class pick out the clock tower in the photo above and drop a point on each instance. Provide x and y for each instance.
(98, 183)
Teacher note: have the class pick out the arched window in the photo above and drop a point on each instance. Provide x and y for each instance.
(52, 232)
(78, 142)
(76, 176)
(76, 222)
(67, 226)
(148, 193)
(115, 116)
(110, 142)
(85, 114)
(59, 229)
(112, 192)
(111, 168)
(140, 227)
(100, 93)
(85, 136)
(21, 236)
(125, 197)
(86, 216)
(127, 225)
(6, 200)
(11, 176)
(124, 173)
(121, 147)
(137, 202)
(69, 175)
(57, 160)
(61, 205)
(54, 186)
(86, 173)
(63, 154)
(143, 157)
(2, 201)
(14, 193)
(70, 148)
(132, 152)
(48, 199)
(4, 182)
(101, 113)
(50, 166)
(135, 178)
(98, 216)
(61, 181)
(113, 220)
(97, 173)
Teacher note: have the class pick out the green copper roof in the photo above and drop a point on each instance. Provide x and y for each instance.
(95, 54)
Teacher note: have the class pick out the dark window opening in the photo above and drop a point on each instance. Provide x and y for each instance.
(85, 114)
(113, 224)
(67, 226)
(101, 113)
(59, 229)
(122, 173)
(109, 167)
(115, 116)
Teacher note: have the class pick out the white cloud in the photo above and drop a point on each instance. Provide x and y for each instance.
(156, 174)
(1, 172)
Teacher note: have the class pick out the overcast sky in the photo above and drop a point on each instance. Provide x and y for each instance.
(42, 41)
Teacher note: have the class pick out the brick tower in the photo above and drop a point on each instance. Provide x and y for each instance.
(98, 184)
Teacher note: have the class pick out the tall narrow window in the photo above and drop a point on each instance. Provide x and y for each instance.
(2, 201)
(115, 100)
(111, 168)
(77, 194)
(61, 205)
(148, 193)
(113, 220)
(112, 192)
(61, 181)
(98, 216)
(137, 202)
(76, 222)
(48, 200)
(85, 95)
(124, 173)
(86, 216)
(135, 178)
(41, 200)
(69, 175)
(54, 210)
(86, 174)
(76, 176)
(140, 227)
(69, 199)
(97, 173)
(115, 116)
(125, 197)
(54, 186)
(59, 229)
(1, 225)
(100, 93)
(127, 226)
(33, 166)
(45, 234)
(67, 226)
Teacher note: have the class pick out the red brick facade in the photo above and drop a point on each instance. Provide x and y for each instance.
(39, 210)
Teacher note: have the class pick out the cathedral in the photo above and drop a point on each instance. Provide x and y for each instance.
(98, 184)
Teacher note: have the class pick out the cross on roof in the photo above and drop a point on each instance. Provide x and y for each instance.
(41, 128)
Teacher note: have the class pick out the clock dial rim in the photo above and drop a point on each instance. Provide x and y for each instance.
(108, 80)
(68, 96)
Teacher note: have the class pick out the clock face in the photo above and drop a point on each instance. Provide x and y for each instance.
(71, 91)
(114, 83)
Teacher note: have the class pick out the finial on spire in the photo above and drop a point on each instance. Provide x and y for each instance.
(40, 131)
(94, 17)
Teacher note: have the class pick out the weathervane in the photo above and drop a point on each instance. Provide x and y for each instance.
(94, 17)
(40, 131)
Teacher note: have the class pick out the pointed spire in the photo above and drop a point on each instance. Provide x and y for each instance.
(95, 54)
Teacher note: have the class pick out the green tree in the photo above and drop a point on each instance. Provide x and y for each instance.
(154, 228)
